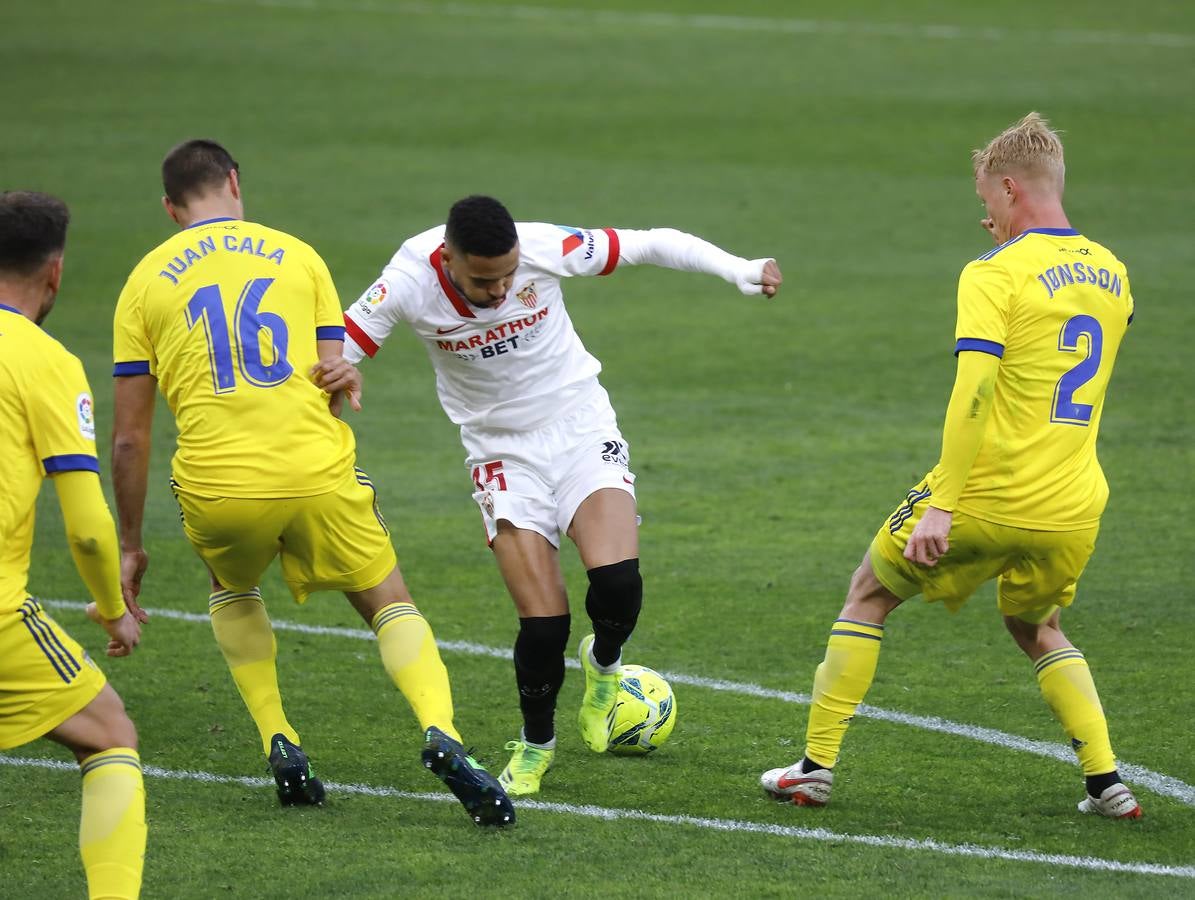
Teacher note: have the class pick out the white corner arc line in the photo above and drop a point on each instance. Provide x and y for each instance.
(977, 851)
(1159, 783)
(731, 23)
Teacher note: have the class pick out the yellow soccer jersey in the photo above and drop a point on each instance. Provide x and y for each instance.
(226, 315)
(1054, 307)
(47, 425)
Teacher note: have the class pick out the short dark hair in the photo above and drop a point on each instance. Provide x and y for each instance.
(193, 167)
(32, 230)
(480, 226)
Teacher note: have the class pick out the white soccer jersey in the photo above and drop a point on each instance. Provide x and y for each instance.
(515, 366)
(521, 364)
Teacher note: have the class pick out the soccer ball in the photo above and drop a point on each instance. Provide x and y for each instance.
(644, 712)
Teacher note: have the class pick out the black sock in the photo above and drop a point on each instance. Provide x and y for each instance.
(539, 673)
(613, 602)
(1097, 784)
(808, 765)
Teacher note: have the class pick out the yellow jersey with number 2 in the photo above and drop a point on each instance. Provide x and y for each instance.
(1053, 306)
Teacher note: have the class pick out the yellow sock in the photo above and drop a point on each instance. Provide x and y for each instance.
(112, 823)
(1066, 684)
(412, 660)
(243, 632)
(839, 686)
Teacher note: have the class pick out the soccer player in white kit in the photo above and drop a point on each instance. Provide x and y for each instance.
(542, 441)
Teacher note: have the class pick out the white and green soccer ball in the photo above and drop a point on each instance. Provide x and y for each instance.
(644, 712)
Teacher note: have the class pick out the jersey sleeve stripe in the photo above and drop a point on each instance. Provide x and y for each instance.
(71, 462)
(612, 254)
(136, 367)
(329, 333)
(992, 347)
(363, 340)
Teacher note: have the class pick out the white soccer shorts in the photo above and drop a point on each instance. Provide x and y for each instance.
(537, 479)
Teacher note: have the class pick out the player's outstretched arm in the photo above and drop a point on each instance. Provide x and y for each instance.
(674, 249)
(91, 535)
(134, 415)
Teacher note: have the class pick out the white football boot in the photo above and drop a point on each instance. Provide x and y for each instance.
(1116, 802)
(793, 785)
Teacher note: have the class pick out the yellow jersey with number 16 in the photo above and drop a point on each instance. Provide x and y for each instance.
(226, 314)
(1054, 307)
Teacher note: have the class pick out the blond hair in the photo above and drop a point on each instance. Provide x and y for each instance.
(1030, 148)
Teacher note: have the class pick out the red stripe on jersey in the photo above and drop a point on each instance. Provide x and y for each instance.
(459, 303)
(363, 340)
(612, 253)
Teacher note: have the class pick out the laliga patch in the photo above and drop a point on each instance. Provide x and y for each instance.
(372, 298)
(376, 294)
(85, 410)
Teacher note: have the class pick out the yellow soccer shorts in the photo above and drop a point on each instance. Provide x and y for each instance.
(1035, 571)
(336, 541)
(45, 676)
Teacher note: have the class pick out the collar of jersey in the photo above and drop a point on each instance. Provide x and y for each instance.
(210, 221)
(8, 308)
(459, 303)
(1053, 232)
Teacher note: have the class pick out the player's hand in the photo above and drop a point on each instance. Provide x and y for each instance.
(930, 538)
(133, 564)
(124, 633)
(338, 377)
(760, 276)
(990, 227)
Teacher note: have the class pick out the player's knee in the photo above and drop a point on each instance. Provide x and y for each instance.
(615, 596)
(867, 600)
(541, 642)
(122, 732)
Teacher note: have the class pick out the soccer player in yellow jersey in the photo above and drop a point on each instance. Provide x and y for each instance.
(1018, 491)
(231, 319)
(49, 687)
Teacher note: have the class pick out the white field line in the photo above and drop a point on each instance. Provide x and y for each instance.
(1163, 785)
(1089, 863)
(729, 23)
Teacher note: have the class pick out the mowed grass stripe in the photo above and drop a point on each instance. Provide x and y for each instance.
(1159, 783)
(749, 24)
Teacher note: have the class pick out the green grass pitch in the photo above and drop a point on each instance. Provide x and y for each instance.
(769, 437)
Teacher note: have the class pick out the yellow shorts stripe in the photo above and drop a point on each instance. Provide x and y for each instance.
(60, 657)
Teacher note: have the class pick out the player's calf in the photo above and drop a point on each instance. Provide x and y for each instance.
(613, 602)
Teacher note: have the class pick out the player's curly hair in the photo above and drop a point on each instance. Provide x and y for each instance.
(480, 226)
(32, 230)
(1030, 147)
(194, 166)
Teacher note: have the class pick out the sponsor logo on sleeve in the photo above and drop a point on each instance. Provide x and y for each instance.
(85, 410)
(574, 239)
